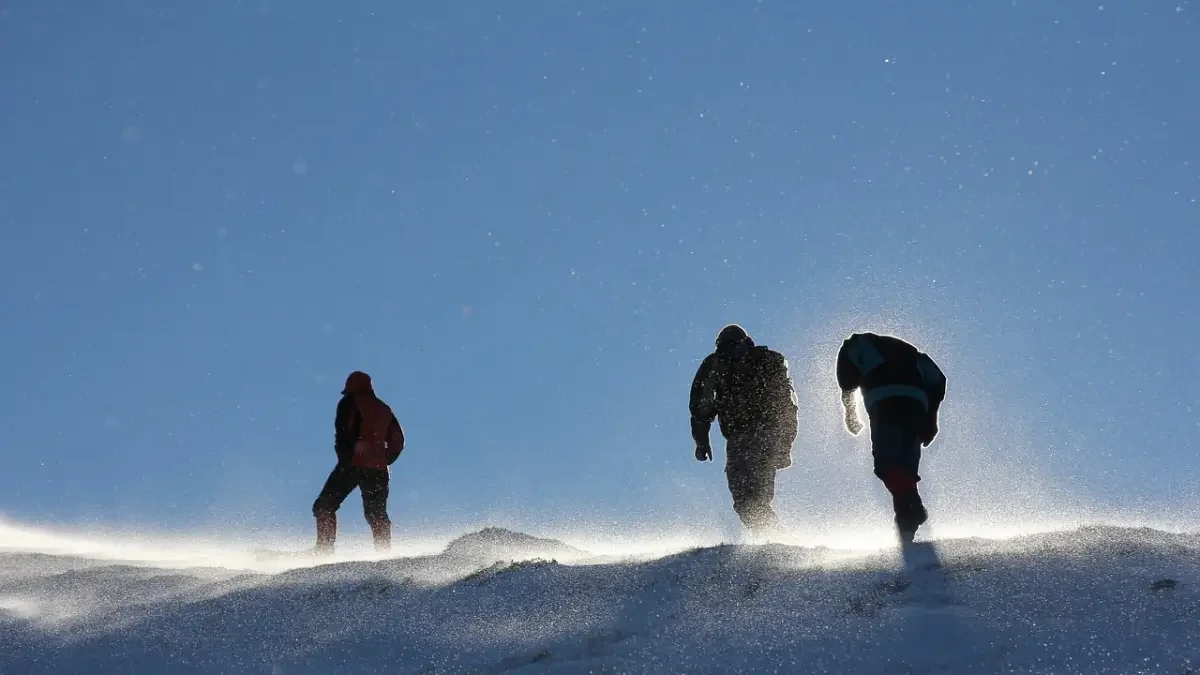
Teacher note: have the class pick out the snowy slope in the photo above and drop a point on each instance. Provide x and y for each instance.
(1093, 600)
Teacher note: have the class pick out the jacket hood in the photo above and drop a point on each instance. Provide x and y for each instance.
(358, 383)
(733, 335)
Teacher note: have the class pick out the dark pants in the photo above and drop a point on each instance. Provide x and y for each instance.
(896, 449)
(750, 471)
(373, 484)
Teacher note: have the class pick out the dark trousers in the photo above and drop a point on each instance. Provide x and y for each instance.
(373, 484)
(750, 471)
(896, 449)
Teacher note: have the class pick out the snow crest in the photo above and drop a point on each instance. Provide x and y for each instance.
(1091, 600)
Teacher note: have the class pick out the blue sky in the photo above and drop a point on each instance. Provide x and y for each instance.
(528, 223)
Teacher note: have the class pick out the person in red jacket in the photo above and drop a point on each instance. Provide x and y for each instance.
(367, 440)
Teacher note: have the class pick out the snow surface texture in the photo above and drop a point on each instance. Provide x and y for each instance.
(1090, 600)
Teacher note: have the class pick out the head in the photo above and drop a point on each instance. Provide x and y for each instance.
(733, 339)
(358, 383)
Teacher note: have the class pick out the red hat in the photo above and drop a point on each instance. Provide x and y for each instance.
(358, 383)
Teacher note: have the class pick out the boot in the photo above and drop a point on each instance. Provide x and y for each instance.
(326, 533)
(381, 532)
(906, 502)
(910, 514)
(758, 517)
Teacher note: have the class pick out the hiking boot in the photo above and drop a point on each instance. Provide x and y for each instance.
(910, 519)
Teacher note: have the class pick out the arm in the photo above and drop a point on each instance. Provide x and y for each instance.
(346, 424)
(787, 410)
(395, 440)
(849, 379)
(853, 425)
(935, 388)
(702, 406)
(791, 412)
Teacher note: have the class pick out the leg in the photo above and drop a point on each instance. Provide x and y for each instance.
(375, 487)
(751, 478)
(896, 449)
(341, 482)
(753, 492)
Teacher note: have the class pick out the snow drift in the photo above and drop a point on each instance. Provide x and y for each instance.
(1090, 600)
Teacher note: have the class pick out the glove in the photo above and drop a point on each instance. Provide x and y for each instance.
(703, 453)
(853, 425)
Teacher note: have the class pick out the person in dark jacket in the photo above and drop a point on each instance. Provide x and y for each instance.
(748, 388)
(902, 390)
(367, 440)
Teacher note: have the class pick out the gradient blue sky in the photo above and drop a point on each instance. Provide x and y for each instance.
(529, 220)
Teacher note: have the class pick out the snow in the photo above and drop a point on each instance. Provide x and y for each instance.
(1089, 600)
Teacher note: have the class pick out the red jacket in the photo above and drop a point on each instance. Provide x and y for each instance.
(366, 432)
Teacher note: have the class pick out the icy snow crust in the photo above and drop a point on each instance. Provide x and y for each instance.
(1091, 600)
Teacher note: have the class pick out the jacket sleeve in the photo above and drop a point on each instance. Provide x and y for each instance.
(395, 440)
(848, 376)
(703, 400)
(935, 389)
(787, 407)
(346, 425)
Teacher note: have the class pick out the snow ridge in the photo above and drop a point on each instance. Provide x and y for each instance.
(1091, 600)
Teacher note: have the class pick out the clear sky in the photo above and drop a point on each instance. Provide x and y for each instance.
(528, 221)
